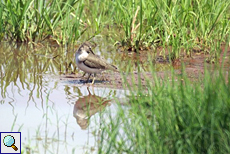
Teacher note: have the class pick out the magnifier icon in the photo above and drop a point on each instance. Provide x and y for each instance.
(9, 142)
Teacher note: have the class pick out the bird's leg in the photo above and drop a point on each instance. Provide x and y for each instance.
(94, 77)
(83, 74)
(88, 78)
(103, 76)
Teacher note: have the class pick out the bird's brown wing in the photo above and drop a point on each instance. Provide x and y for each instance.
(95, 61)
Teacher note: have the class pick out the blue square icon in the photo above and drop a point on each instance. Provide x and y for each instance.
(10, 142)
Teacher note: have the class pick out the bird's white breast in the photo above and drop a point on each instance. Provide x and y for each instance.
(82, 56)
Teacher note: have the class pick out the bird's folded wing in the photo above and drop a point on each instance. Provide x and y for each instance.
(95, 61)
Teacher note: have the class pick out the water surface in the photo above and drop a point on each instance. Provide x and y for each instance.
(45, 109)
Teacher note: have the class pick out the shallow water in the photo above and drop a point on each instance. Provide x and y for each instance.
(51, 112)
(35, 102)
(48, 122)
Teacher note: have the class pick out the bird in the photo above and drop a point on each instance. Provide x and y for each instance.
(90, 63)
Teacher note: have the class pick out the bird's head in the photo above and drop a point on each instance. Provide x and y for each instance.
(83, 51)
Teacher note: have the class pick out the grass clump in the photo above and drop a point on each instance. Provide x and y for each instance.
(36, 20)
(173, 117)
(174, 26)
(178, 24)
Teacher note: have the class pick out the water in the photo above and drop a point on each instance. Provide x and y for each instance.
(49, 110)
(48, 122)
(44, 108)
(42, 98)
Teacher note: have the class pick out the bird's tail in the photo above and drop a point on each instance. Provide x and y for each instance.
(113, 68)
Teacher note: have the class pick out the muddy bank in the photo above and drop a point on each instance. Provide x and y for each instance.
(116, 80)
(194, 67)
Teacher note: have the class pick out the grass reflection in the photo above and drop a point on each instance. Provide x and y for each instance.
(25, 69)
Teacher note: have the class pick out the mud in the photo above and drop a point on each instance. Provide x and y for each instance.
(193, 66)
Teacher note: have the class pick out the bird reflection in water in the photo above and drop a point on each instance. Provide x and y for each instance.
(86, 107)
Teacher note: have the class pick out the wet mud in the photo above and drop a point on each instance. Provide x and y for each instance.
(194, 67)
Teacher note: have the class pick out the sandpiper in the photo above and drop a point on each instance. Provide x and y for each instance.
(91, 63)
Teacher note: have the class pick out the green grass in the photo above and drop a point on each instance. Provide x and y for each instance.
(137, 24)
(172, 117)
(35, 20)
(180, 24)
